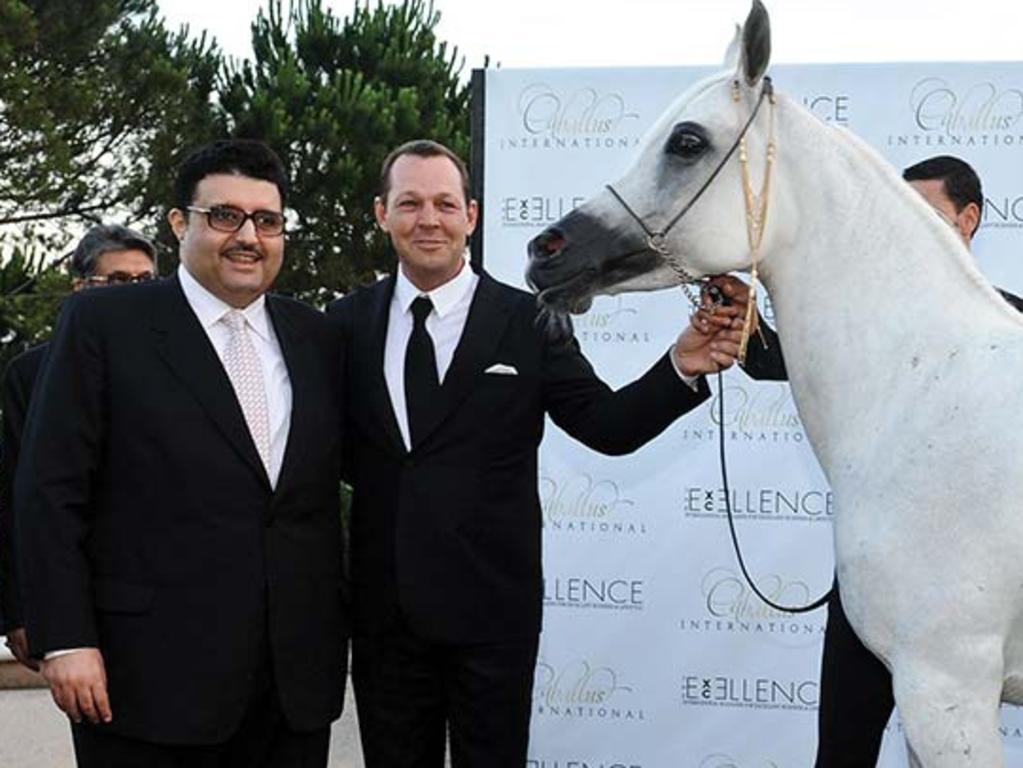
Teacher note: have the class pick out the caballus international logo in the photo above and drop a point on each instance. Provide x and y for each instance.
(579, 689)
(575, 119)
(611, 320)
(730, 607)
(583, 503)
(761, 413)
(978, 114)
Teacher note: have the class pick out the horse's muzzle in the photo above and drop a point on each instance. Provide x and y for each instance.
(544, 268)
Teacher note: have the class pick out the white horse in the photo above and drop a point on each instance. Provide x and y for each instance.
(901, 358)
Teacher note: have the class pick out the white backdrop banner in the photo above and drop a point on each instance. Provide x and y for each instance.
(654, 652)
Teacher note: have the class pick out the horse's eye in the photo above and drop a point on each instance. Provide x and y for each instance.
(688, 141)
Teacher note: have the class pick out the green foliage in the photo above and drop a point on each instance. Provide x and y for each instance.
(33, 290)
(94, 96)
(97, 101)
(333, 97)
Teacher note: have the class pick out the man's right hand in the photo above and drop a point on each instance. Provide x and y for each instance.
(17, 641)
(78, 683)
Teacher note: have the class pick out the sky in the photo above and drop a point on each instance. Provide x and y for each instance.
(588, 33)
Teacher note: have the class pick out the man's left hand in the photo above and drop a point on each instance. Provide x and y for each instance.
(710, 342)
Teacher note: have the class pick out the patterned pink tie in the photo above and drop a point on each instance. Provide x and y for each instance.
(246, 374)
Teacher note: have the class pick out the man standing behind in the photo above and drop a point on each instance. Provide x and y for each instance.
(449, 380)
(108, 254)
(177, 498)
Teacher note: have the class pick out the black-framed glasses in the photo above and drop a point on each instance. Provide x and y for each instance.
(119, 278)
(227, 218)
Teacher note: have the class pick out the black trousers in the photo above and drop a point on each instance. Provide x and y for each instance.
(412, 693)
(263, 740)
(855, 696)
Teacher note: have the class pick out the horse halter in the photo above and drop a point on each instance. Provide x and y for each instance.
(756, 217)
(657, 241)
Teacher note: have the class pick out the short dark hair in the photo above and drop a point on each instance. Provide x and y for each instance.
(960, 182)
(104, 238)
(422, 148)
(243, 157)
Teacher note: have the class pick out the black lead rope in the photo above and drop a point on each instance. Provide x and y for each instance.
(731, 521)
(656, 241)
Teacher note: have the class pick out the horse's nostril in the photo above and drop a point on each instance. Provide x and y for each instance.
(547, 243)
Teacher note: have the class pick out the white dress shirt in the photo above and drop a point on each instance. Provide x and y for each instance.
(444, 324)
(210, 310)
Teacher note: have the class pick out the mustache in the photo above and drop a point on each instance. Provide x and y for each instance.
(239, 250)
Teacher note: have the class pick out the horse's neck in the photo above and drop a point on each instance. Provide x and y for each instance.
(869, 292)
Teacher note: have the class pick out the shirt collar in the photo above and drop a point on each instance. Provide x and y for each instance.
(444, 297)
(211, 309)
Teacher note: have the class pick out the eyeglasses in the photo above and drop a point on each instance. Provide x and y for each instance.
(227, 218)
(118, 278)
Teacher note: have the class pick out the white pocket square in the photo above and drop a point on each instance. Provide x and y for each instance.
(507, 370)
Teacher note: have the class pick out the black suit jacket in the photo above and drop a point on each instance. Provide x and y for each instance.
(146, 524)
(764, 358)
(16, 391)
(1014, 301)
(447, 535)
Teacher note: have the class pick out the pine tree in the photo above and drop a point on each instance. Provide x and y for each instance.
(93, 95)
(333, 97)
(98, 100)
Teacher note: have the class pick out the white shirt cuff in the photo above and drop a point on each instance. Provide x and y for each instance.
(693, 382)
(64, 652)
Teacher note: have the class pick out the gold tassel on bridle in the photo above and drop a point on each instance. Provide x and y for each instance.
(756, 218)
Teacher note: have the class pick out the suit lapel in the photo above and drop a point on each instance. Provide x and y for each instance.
(489, 313)
(183, 344)
(369, 363)
(304, 397)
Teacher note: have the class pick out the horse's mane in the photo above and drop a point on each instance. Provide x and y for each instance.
(884, 176)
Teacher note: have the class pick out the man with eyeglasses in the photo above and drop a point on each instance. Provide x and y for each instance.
(108, 254)
(179, 535)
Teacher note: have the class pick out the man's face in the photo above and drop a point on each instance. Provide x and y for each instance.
(427, 217)
(116, 267)
(964, 222)
(236, 267)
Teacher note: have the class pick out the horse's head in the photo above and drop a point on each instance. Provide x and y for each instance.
(630, 236)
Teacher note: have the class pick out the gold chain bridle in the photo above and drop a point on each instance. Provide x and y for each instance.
(755, 204)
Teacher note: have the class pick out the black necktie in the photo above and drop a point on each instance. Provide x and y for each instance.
(421, 384)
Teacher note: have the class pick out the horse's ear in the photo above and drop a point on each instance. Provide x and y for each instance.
(732, 54)
(756, 44)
